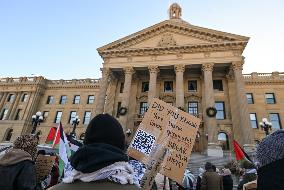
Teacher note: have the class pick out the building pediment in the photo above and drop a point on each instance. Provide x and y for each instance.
(171, 36)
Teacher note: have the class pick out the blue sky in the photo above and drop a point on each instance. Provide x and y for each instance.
(58, 38)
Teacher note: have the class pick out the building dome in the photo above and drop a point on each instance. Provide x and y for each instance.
(175, 11)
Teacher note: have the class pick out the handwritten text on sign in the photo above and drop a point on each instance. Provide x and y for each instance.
(172, 127)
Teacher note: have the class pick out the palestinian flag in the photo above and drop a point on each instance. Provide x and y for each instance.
(51, 136)
(61, 142)
(240, 153)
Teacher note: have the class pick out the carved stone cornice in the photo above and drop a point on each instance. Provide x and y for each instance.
(237, 65)
(128, 70)
(197, 48)
(207, 67)
(179, 68)
(153, 69)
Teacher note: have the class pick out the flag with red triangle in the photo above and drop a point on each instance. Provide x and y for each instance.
(60, 141)
(240, 153)
(51, 136)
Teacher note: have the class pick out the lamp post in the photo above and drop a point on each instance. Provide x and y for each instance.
(265, 125)
(36, 119)
(75, 122)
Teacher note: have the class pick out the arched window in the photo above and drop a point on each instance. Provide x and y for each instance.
(8, 135)
(224, 141)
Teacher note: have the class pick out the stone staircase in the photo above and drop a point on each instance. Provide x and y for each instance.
(198, 160)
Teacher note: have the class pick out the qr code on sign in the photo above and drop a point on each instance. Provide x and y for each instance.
(143, 142)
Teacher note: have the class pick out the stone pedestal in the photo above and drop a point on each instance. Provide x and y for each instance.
(214, 149)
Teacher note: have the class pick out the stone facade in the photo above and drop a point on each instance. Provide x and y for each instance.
(23, 97)
(190, 67)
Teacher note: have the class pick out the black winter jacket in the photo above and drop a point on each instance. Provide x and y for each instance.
(227, 182)
(17, 171)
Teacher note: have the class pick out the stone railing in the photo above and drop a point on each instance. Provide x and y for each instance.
(73, 82)
(264, 76)
(11, 80)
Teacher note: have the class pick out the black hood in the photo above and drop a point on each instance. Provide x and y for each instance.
(92, 157)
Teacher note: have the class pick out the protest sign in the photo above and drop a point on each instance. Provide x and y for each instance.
(43, 166)
(167, 125)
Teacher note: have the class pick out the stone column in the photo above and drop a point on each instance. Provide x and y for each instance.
(128, 72)
(3, 99)
(153, 70)
(246, 133)
(102, 93)
(213, 148)
(14, 108)
(179, 69)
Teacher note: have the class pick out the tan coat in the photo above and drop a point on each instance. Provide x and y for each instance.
(211, 181)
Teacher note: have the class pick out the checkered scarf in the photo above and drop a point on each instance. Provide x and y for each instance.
(27, 143)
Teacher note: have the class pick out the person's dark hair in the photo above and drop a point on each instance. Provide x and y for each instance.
(214, 168)
(208, 166)
(42, 152)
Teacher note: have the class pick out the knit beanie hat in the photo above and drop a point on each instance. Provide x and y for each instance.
(27, 143)
(105, 129)
(271, 148)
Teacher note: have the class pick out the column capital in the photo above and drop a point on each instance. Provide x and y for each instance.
(105, 71)
(207, 67)
(153, 69)
(128, 70)
(179, 68)
(237, 65)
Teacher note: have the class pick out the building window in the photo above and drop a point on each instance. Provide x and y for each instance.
(18, 114)
(192, 85)
(72, 116)
(45, 115)
(118, 108)
(249, 98)
(58, 117)
(220, 107)
(168, 86)
(11, 98)
(63, 99)
(121, 87)
(224, 140)
(9, 133)
(4, 114)
(270, 99)
(193, 108)
(25, 98)
(50, 100)
(145, 86)
(253, 120)
(143, 107)
(87, 117)
(171, 103)
(218, 85)
(76, 99)
(275, 120)
(91, 99)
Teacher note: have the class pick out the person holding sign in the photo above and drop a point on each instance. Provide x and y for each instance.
(101, 162)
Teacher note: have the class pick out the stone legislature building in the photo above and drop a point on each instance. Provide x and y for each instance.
(193, 68)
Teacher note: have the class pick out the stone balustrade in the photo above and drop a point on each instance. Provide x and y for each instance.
(264, 76)
(20, 80)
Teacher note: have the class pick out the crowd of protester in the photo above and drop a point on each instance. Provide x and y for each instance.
(101, 163)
